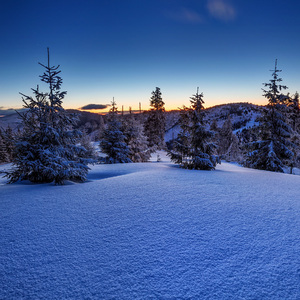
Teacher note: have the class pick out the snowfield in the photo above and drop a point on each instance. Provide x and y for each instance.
(153, 231)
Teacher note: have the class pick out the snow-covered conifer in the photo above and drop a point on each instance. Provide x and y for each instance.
(193, 147)
(225, 136)
(181, 146)
(228, 143)
(86, 143)
(9, 138)
(47, 150)
(4, 157)
(272, 150)
(136, 140)
(203, 148)
(197, 103)
(234, 152)
(294, 119)
(113, 142)
(155, 125)
(294, 112)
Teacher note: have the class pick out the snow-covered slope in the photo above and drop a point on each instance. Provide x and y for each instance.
(242, 115)
(153, 231)
(13, 120)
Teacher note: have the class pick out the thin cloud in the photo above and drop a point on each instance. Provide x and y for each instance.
(94, 106)
(221, 9)
(186, 15)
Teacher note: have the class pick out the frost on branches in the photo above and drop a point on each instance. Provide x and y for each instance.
(136, 140)
(272, 150)
(113, 142)
(193, 148)
(47, 149)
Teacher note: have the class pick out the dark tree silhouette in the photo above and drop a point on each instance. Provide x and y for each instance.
(155, 125)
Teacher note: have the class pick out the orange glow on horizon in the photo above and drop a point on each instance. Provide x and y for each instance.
(135, 109)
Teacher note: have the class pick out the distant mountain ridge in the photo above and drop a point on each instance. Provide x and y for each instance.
(242, 115)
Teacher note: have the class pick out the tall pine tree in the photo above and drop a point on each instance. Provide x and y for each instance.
(272, 150)
(155, 125)
(47, 150)
(294, 118)
(193, 148)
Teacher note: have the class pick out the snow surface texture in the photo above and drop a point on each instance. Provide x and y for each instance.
(153, 231)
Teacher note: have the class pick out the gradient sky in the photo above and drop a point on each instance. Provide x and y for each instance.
(125, 48)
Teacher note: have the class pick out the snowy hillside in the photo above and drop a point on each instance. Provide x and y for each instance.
(243, 115)
(153, 231)
(12, 120)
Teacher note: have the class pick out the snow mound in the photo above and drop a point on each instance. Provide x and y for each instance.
(153, 231)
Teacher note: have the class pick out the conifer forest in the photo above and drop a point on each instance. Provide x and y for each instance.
(51, 144)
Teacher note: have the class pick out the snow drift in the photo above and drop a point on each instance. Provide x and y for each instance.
(153, 231)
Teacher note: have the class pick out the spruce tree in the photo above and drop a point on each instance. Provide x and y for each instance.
(86, 143)
(216, 130)
(155, 125)
(136, 140)
(225, 136)
(228, 147)
(294, 118)
(294, 112)
(4, 157)
(180, 152)
(197, 103)
(193, 147)
(202, 147)
(9, 138)
(113, 142)
(234, 152)
(272, 150)
(47, 150)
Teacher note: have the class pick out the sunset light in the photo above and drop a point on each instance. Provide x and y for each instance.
(150, 149)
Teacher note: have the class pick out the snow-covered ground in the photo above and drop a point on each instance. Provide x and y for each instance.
(153, 231)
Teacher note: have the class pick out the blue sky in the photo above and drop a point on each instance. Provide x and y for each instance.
(125, 48)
